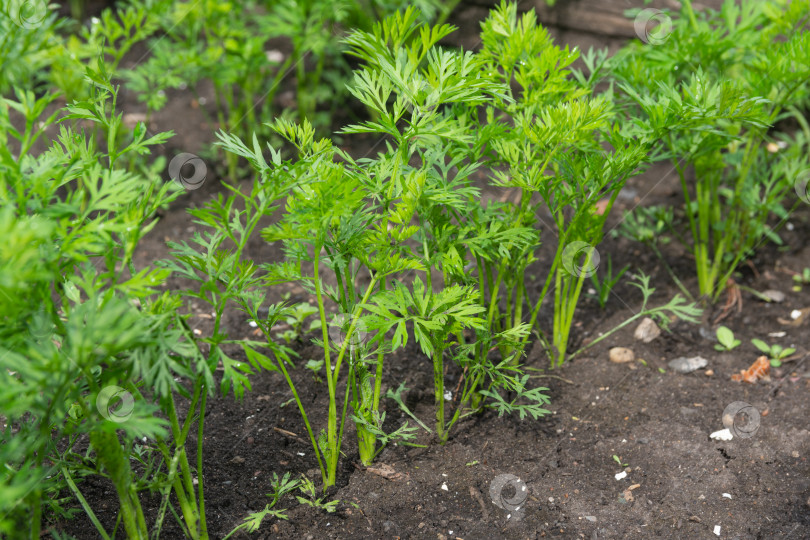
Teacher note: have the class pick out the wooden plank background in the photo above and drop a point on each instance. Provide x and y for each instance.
(581, 23)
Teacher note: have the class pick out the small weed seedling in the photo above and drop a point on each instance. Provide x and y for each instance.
(801, 279)
(296, 316)
(677, 307)
(605, 286)
(726, 339)
(315, 367)
(310, 497)
(618, 460)
(281, 486)
(776, 353)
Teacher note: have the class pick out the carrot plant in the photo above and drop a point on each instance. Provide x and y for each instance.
(88, 349)
(423, 96)
(351, 236)
(712, 93)
(327, 229)
(545, 141)
(96, 365)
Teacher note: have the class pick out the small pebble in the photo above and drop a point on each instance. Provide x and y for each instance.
(795, 314)
(622, 475)
(444, 486)
(276, 57)
(707, 334)
(717, 530)
(647, 330)
(621, 355)
(590, 518)
(722, 435)
(727, 495)
(709, 372)
(774, 295)
(688, 365)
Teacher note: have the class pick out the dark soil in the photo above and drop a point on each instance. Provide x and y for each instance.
(679, 483)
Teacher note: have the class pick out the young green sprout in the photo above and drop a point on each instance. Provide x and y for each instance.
(726, 339)
(801, 279)
(776, 353)
(618, 460)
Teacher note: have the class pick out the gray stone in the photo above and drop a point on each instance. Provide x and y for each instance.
(688, 365)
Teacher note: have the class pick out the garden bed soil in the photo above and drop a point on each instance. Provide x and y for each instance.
(679, 484)
(656, 423)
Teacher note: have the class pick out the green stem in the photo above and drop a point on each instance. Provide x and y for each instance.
(200, 496)
(111, 456)
(687, 4)
(438, 388)
(331, 422)
(87, 509)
